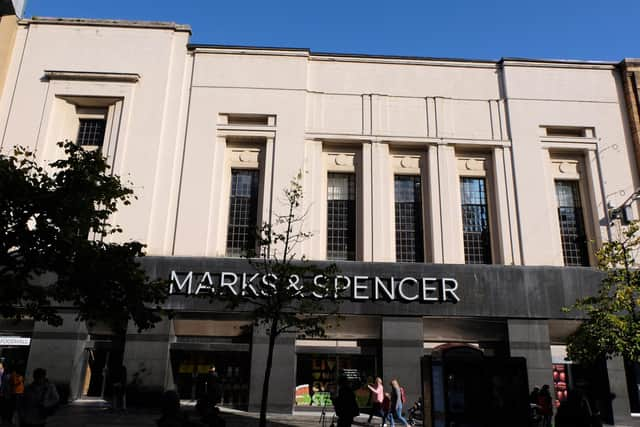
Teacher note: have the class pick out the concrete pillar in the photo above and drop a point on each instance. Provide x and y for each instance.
(147, 358)
(449, 206)
(618, 387)
(283, 373)
(402, 351)
(60, 350)
(530, 339)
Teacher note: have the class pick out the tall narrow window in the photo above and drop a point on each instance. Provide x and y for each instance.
(475, 221)
(243, 212)
(341, 216)
(409, 244)
(572, 230)
(91, 132)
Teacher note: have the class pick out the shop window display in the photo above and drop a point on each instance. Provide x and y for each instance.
(318, 374)
(560, 380)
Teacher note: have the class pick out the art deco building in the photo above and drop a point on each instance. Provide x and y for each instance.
(461, 200)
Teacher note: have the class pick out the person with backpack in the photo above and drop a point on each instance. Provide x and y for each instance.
(545, 404)
(386, 410)
(39, 401)
(398, 398)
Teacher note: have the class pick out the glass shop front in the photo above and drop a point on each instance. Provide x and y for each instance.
(317, 377)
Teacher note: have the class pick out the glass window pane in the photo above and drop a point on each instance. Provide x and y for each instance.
(341, 216)
(91, 132)
(571, 220)
(408, 210)
(475, 221)
(243, 212)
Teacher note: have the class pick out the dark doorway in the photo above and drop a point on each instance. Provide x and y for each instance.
(594, 382)
(190, 369)
(102, 359)
(463, 388)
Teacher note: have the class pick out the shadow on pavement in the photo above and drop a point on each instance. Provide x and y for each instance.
(79, 414)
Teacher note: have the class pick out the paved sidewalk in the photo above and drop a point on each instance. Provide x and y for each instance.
(95, 413)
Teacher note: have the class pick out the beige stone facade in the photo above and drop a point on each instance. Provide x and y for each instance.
(172, 114)
(179, 118)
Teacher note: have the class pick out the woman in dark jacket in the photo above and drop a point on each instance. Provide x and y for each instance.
(345, 404)
(545, 404)
(575, 411)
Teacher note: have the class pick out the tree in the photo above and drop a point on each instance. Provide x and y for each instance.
(293, 300)
(612, 327)
(54, 223)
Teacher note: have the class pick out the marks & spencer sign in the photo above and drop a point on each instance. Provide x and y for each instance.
(357, 288)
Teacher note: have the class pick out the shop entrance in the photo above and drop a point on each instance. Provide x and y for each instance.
(463, 388)
(190, 370)
(592, 381)
(102, 359)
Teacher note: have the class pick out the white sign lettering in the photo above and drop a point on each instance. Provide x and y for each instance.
(357, 288)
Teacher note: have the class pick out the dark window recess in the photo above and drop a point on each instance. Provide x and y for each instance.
(341, 216)
(571, 219)
(566, 132)
(243, 212)
(91, 132)
(408, 208)
(475, 221)
(248, 119)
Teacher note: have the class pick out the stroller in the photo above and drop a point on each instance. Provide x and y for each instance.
(415, 412)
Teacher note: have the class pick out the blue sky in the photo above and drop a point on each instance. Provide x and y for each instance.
(489, 29)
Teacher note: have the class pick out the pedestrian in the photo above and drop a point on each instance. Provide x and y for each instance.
(345, 404)
(172, 415)
(5, 395)
(397, 399)
(386, 410)
(545, 405)
(39, 401)
(119, 388)
(210, 416)
(214, 388)
(377, 396)
(536, 417)
(575, 411)
(16, 390)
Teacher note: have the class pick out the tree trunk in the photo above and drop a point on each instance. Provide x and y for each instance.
(267, 374)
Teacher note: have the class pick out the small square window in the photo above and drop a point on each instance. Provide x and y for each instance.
(91, 132)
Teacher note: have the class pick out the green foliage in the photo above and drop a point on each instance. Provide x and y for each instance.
(53, 221)
(280, 307)
(613, 324)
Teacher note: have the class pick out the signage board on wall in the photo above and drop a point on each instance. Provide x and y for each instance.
(15, 341)
(357, 288)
